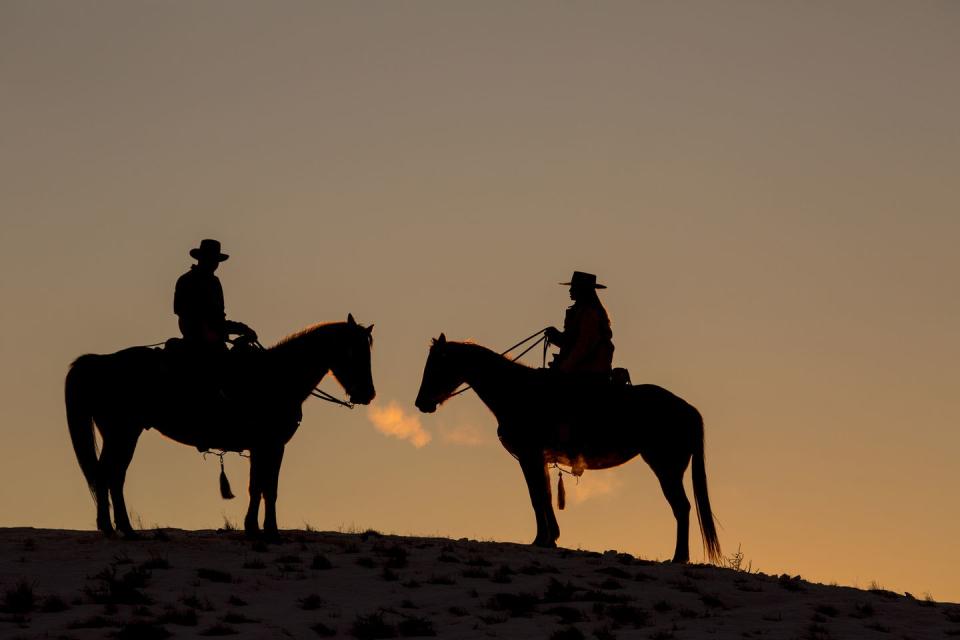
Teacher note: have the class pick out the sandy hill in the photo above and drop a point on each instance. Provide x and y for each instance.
(173, 583)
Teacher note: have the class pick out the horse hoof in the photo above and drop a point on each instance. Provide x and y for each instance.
(130, 534)
(545, 544)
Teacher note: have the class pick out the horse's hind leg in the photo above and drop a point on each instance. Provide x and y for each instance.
(116, 457)
(538, 484)
(250, 524)
(101, 492)
(671, 481)
(271, 480)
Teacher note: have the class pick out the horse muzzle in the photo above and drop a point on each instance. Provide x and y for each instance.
(426, 406)
(363, 398)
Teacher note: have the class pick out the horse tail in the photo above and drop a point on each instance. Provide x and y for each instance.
(80, 419)
(708, 530)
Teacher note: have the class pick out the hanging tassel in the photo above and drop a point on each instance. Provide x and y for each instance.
(561, 493)
(225, 491)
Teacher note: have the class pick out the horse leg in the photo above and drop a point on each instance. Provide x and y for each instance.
(271, 480)
(250, 524)
(538, 484)
(123, 454)
(671, 481)
(101, 487)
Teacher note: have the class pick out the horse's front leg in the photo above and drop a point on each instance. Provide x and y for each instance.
(271, 479)
(535, 472)
(250, 524)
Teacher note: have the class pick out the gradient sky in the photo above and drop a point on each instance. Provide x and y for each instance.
(770, 190)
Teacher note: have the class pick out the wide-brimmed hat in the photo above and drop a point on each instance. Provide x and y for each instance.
(581, 279)
(208, 249)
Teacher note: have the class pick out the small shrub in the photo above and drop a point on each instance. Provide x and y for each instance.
(570, 633)
(516, 604)
(736, 562)
(389, 575)
(311, 602)
(416, 626)
(232, 617)
(214, 575)
(396, 557)
(288, 559)
(219, 630)
(604, 633)
(116, 589)
(155, 562)
(371, 627)
(662, 606)
(234, 601)
(567, 615)
(790, 584)
(443, 580)
(323, 630)
(475, 572)
(503, 575)
(142, 630)
(320, 562)
(615, 572)
(625, 614)
(53, 604)
(194, 602)
(559, 591)
(179, 617)
(96, 622)
(712, 601)
(20, 599)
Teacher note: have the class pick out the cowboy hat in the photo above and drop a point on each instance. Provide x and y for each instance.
(208, 249)
(581, 279)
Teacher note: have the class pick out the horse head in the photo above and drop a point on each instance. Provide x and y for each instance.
(440, 377)
(351, 364)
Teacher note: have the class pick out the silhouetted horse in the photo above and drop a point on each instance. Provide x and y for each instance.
(549, 417)
(138, 388)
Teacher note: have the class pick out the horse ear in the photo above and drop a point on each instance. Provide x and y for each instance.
(442, 339)
(350, 319)
(370, 330)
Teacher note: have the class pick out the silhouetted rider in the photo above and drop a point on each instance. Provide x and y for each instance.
(198, 302)
(586, 342)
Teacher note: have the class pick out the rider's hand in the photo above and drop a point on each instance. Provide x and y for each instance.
(553, 334)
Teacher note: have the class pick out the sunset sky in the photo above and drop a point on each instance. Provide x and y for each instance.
(771, 191)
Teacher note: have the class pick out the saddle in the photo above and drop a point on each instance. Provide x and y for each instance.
(209, 380)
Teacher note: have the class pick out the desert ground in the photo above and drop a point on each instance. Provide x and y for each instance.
(310, 584)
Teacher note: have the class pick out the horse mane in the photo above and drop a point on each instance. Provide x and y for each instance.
(302, 333)
(311, 330)
(493, 355)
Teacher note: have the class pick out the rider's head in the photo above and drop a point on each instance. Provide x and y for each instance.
(583, 285)
(208, 255)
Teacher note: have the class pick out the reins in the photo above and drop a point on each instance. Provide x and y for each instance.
(543, 339)
(317, 392)
(323, 395)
